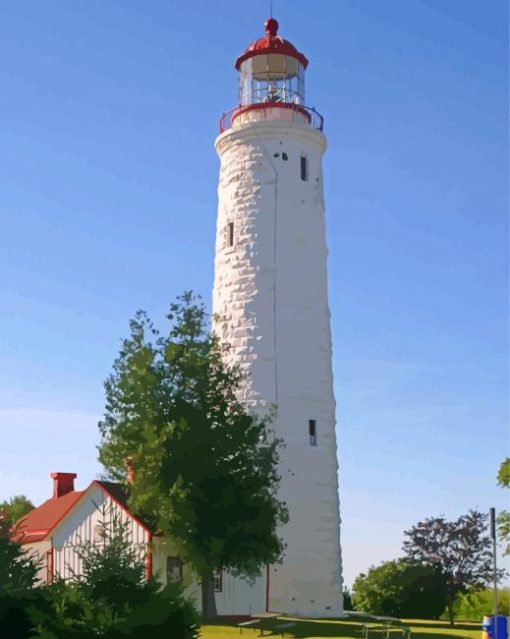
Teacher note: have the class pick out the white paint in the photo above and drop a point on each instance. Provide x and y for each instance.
(237, 596)
(38, 552)
(270, 297)
(94, 509)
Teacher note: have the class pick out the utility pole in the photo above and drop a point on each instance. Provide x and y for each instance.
(492, 521)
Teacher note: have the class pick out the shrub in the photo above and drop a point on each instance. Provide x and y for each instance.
(401, 589)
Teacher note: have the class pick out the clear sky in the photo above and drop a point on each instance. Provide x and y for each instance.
(108, 176)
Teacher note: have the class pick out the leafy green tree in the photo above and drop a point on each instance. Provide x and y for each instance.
(504, 473)
(460, 550)
(204, 469)
(348, 603)
(472, 606)
(15, 508)
(18, 571)
(400, 588)
(503, 519)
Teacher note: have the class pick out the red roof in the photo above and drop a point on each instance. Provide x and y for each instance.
(271, 43)
(40, 521)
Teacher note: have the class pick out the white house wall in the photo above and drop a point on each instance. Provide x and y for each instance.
(237, 597)
(270, 297)
(38, 552)
(80, 525)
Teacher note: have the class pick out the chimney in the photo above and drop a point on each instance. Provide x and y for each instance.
(63, 483)
(129, 469)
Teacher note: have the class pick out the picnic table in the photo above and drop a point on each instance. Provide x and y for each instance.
(385, 626)
(256, 618)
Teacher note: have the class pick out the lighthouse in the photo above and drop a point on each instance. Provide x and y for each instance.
(270, 304)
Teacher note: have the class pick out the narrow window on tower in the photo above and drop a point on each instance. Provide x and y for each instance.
(230, 234)
(312, 431)
(304, 168)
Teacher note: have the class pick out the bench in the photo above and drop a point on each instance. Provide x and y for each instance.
(282, 628)
(247, 624)
(385, 629)
(367, 627)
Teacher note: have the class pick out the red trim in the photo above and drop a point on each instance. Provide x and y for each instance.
(50, 564)
(271, 105)
(148, 559)
(97, 483)
(267, 588)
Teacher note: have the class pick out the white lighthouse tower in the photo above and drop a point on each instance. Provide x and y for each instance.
(270, 297)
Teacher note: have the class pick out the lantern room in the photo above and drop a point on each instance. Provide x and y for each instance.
(271, 70)
(271, 83)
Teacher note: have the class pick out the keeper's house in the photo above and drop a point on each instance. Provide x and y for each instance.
(54, 532)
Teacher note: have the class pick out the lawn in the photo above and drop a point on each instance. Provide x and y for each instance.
(349, 628)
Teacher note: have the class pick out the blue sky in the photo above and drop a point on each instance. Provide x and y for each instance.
(108, 181)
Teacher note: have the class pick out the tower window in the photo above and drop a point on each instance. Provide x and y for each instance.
(173, 570)
(304, 168)
(230, 234)
(312, 431)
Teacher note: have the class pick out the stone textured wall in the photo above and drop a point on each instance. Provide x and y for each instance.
(270, 297)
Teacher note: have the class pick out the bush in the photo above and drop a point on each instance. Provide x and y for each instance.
(400, 588)
(113, 610)
(111, 597)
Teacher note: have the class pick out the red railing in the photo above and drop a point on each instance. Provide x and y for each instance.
(297, 112)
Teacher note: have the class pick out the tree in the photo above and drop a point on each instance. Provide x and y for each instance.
(112, 598)
(16, 508)
(348, 604)
(460, 550)
(205, 471)
(472, 606)
(400, 588)
(18, 578)
(503, 519)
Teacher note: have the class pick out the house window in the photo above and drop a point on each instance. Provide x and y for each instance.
(218, 580)
(304, 168)
(230, 234)
(173, 570)
(312, 431)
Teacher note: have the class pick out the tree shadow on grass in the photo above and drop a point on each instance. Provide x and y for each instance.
(354, 630)
(459, 625)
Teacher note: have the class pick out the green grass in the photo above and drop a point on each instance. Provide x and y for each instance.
(348, 628)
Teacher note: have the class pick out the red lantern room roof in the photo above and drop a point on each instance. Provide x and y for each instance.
(271, 43)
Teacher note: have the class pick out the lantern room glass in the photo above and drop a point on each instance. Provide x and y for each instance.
(271, 78)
